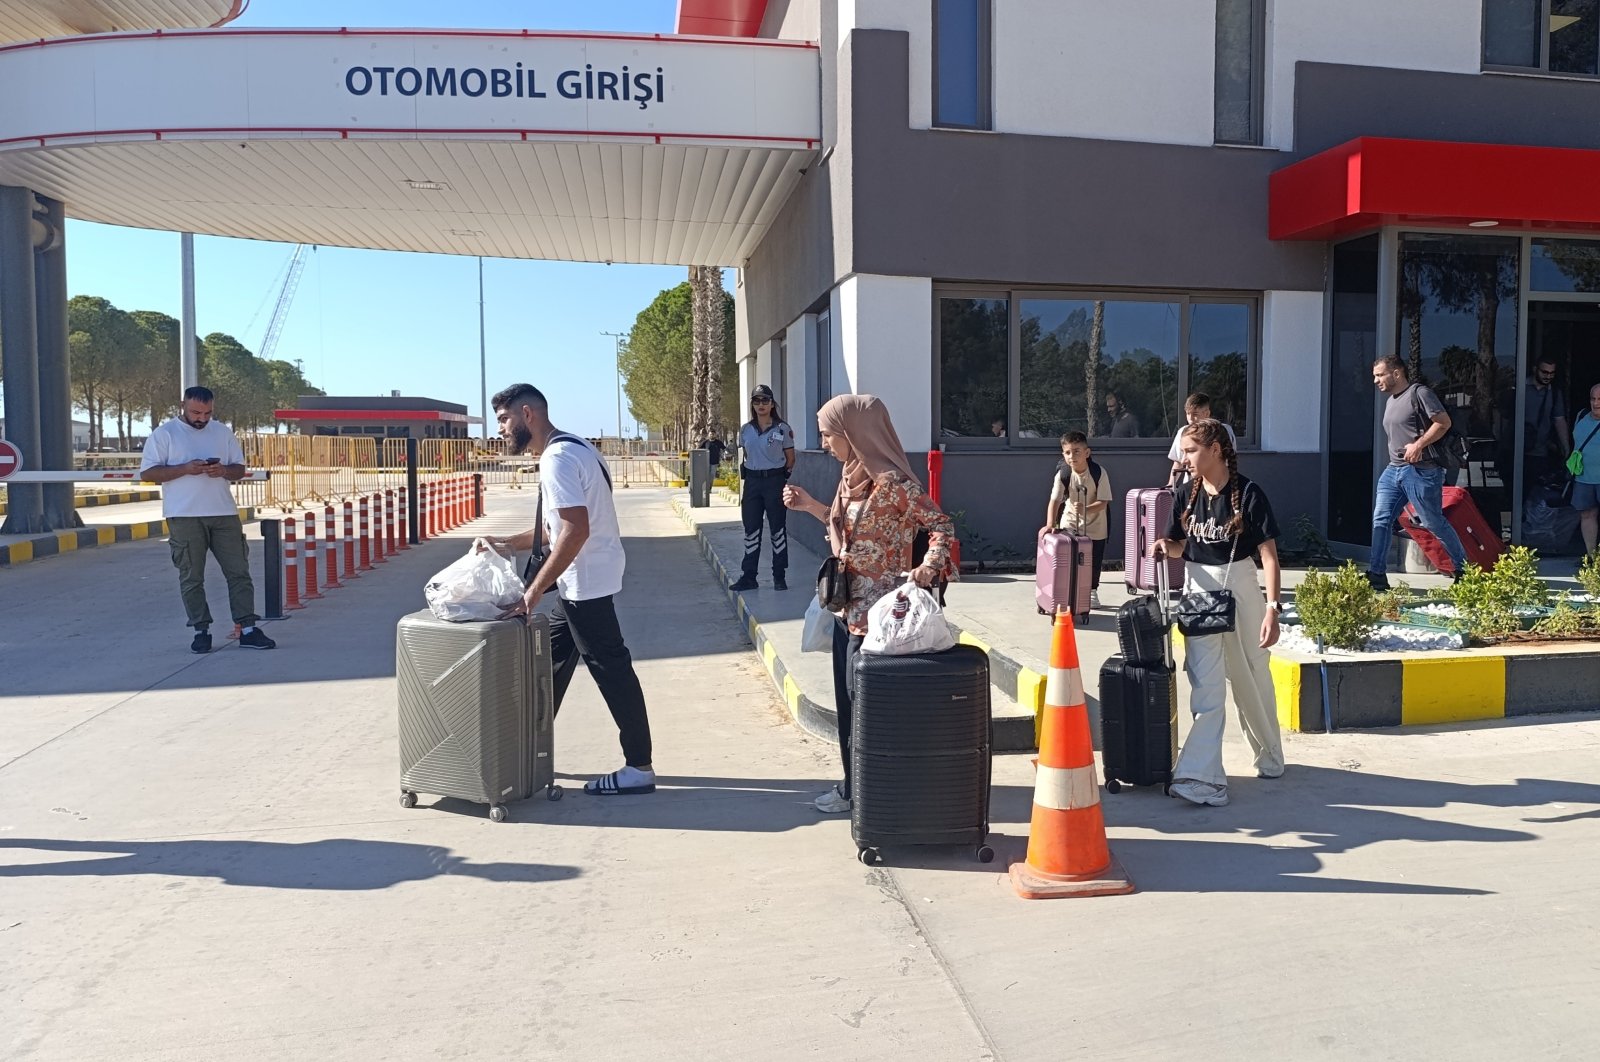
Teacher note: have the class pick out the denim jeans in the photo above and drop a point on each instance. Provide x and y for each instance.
(1398, 485)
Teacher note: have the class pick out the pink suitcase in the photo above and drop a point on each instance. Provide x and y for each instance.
(1149, 510)
(1064, 573)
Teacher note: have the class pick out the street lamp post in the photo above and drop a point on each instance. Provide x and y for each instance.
(617, 338)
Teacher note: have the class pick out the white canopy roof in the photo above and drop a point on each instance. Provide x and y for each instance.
(647, 148)
(22, 20)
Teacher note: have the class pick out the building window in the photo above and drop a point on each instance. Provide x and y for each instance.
(1117, 367)
(1241, 67)
(824, 366)
(961, 64)
(1556, 36)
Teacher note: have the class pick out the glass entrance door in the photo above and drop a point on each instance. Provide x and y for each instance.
(1564, 364)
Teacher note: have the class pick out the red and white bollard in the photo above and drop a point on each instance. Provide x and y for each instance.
(350, 542)
(380, 551)
(312, 593)
(291, 566)
(330, 549)
(424, 511)
(400, 533)
(366, 532)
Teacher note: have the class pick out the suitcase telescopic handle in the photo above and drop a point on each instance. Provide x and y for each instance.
(1164, 604)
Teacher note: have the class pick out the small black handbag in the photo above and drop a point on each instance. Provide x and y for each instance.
(1202, 612)
(833, 585)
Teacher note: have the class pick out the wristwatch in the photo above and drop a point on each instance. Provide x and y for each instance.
(1276, 606)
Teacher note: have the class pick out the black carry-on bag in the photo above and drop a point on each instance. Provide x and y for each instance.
(477, 710)
(919, 751)
(1139, 699)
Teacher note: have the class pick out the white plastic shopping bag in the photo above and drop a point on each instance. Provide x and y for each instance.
(479, 586)
(907, 621)
(817, 636)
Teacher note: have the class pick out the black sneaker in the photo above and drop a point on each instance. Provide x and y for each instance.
(1378, 580)
(778, 583)
(746, 582)
(201, 643)
(256, 639)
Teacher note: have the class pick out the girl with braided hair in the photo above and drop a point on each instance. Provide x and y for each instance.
(1220, 520)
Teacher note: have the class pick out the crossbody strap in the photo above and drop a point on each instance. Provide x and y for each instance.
(1590, 436)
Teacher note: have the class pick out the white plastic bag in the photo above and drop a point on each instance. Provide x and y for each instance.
(479, 586)
(817, 636)
(905, 622)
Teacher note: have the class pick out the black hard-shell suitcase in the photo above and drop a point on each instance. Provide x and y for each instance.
(1142, 631)
(919, 751)
(477, 710)
(1138, 723)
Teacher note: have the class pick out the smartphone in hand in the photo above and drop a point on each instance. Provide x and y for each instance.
(213, 460)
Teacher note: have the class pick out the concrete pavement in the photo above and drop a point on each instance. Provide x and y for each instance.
(204, 858)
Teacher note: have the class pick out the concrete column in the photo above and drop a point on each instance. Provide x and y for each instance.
(19, 345)
(189, 365)
(55, 385)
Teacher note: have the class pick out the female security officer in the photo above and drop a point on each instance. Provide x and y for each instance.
(768, 447)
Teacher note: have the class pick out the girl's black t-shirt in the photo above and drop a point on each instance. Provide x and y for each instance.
(1208, 538)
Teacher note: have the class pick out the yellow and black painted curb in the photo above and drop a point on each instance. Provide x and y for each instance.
(121, 497)
(80, 538)
(1011, 734)
(1436, 688)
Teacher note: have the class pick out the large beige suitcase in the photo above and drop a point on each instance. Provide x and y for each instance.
(477, 710)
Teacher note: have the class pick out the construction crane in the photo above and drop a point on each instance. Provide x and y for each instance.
(280, 311)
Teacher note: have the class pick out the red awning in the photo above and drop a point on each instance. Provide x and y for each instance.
(369, 414)
(721, 18)
(1374, 181)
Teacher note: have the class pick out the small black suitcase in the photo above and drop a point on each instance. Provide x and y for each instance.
(919, 751)
(1138, 723)
(1142, 631)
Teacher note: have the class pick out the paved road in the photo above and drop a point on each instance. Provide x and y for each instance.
(203, 858)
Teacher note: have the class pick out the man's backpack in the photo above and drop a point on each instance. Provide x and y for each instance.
(1451, 452)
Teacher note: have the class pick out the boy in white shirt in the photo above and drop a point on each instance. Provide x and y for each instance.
(1196, 407)
(1080, 500)
(195, 458)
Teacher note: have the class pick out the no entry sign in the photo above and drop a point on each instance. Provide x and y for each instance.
(10, 459)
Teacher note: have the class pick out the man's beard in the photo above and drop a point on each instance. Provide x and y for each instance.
(521, 438)
(192, 424)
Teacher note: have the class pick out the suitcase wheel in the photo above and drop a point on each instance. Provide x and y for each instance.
(1113, 786)
(408, 799)
(868, 856)
(553, 793)
(985, 854)
(1042, 612)
(497, 812)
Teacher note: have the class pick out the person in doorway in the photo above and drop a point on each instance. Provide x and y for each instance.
(194, 458)
(1544, 424)
(1586, 483)
(768, 447)
(1196, 407)
(584, 566)
(1080, 502)
(1413, 421)
(876, 513)
(1124, 425)
(1219, 519)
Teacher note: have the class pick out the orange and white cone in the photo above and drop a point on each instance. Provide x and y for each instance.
(1067, 850)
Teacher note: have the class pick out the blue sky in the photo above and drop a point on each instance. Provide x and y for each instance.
(543, 319)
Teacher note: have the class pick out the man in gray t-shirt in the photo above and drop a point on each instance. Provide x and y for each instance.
(1413, 421)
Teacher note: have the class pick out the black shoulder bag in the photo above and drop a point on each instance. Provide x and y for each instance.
(1202, 612)
(536, 557)
(833, 577)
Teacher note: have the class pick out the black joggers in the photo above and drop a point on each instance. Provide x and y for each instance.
(588, 630)
(764, 494)
(846, 647)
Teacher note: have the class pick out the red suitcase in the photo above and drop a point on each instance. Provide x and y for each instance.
(1148, 512)
(1479, 538)
(1063, 573)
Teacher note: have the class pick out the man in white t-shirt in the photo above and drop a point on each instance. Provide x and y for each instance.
(194, 458)
(1196, 407)
(584, 566)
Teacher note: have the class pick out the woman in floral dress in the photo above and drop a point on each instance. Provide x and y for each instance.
(874, 518)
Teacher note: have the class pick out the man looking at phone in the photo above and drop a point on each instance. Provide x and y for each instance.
(194, 458)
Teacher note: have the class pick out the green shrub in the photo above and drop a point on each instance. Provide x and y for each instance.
(1566, 620)
(1589, 577)
(1487, 599)
(1340, 607)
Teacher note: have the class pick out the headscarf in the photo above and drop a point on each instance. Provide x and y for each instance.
(874, 449)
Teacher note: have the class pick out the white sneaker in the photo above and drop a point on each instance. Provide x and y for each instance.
(1200, 792)
(1094, 599)
(832, 802)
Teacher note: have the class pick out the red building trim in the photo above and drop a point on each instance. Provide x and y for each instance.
(721, 18)
(370, 414)
(1373, 181)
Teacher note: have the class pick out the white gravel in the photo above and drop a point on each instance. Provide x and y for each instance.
(1386, 638)
(1448, 611)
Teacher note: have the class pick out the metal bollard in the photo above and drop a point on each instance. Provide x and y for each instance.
(271, 570)
(311, 593)
(330, 549)
(350, 542)
(477, 495)
(366, 531)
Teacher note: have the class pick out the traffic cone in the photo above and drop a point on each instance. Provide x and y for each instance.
(1067, 850)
